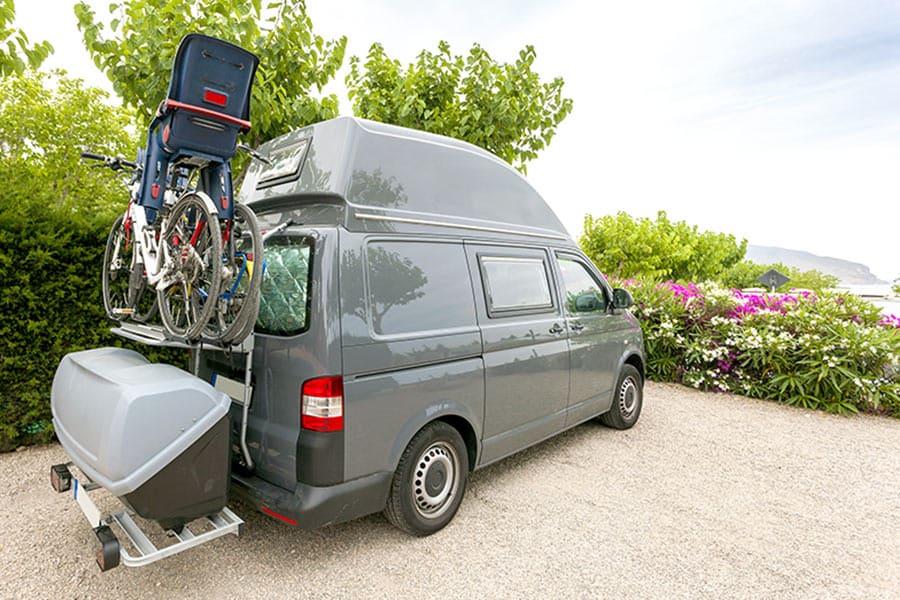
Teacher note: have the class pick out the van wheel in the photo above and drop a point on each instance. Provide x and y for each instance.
(430, 481)
(627, 400)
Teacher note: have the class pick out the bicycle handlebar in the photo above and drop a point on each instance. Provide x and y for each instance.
(116, 163)
(254, 154)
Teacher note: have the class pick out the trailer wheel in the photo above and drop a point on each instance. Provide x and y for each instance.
(109, 550)
(60, 478)
(430, 481)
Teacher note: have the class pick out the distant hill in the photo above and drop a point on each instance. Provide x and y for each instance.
(848, 272)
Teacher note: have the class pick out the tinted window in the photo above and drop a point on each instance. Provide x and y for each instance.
(583, 293)
(515, 283)
(418, 287)
(284, 299)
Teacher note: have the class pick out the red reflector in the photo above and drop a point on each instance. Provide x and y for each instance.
(154, 190)
(166, 133)
(272, 513)
(214, 97)
(224, 201)
(322, 404)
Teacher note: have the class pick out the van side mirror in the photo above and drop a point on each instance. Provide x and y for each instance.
(622, 298)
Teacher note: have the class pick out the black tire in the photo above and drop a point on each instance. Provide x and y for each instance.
(430, 481)
(628, 398)
(194, 265)
(238, 304)
(126, 294)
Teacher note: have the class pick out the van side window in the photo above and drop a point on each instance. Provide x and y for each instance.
(284, 292)
(515, 284)
(418, 287)
(583, 293)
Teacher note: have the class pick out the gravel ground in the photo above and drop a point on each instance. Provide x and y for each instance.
(708, 496)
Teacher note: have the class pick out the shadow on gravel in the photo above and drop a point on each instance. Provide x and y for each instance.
(271, 538)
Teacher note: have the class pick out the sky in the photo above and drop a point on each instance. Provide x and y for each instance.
(778, 122)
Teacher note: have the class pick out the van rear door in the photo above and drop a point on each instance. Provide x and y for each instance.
(293, 344)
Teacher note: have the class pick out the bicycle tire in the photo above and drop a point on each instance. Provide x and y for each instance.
(238, 302)
(191, 243)
(124, 288)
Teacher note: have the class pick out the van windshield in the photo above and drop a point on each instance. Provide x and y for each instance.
(284, 298)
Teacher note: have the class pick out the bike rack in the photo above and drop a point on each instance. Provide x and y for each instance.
(110, 527)
(111, 552)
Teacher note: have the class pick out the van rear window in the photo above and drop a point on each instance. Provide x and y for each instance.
(284, 293)
(418, 287)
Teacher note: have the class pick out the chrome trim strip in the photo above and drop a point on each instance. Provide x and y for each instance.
(371, 217)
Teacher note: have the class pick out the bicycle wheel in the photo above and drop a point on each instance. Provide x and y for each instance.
(191, 243)
(238, 303)
(126, 294)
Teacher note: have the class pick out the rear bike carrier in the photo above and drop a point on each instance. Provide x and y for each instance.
(113, 526)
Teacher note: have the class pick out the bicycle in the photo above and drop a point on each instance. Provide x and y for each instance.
(124, 288)
(203, 258)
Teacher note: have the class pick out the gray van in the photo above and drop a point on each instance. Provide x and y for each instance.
(423, 314)
(427, 315)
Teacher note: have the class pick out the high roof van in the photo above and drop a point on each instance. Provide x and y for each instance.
(426, 314)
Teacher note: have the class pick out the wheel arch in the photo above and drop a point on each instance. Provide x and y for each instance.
(454, 415)
(636, 361)
(467, 432)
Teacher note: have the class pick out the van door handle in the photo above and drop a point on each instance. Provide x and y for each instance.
(576, 326)
(556, 329)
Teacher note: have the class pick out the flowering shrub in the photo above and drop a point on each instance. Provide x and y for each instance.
(827, 351)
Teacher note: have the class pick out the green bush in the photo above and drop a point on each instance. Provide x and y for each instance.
(744, 274)
(51, 305)
(624, 246)
(827, 351)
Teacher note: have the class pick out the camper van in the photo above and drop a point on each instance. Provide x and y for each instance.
(423, 314)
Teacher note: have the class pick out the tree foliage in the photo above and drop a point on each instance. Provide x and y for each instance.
(743, 275)
(502, 107)
(137, 47)
(16, 53)
(44, 121)
(624, 246)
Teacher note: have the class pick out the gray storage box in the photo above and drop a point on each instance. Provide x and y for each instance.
(123, 421)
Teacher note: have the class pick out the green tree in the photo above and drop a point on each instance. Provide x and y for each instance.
(138, 46)
(623, 246)
(502, 107)
(44, 120)
(896, 287)
(16, 53)
(744, 274)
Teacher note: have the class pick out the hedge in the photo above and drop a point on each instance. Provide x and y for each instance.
(51, 305)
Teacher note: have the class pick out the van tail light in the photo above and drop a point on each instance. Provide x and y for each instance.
(322, 404)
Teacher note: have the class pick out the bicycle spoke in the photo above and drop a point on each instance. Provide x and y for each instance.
(238, 299)
(190, 238)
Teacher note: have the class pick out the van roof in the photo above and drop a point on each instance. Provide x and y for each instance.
(389, 178)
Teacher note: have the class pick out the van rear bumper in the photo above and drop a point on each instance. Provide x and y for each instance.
(310, 506)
